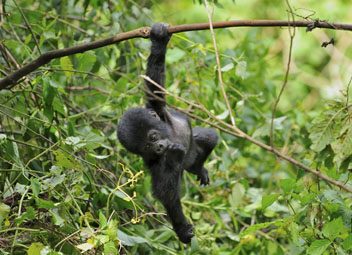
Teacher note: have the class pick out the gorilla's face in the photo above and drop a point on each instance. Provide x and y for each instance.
(155, 144)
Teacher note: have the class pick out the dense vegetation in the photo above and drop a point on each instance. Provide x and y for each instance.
(67, 186)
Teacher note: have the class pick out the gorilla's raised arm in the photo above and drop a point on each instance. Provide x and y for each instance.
(156, 67)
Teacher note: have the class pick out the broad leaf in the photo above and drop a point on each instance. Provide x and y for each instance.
(318, 247)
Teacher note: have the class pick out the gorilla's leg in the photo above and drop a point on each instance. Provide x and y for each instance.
(205, 140)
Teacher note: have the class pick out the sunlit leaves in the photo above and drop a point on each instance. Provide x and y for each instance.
(35, 185)
(333, 128)
(45, 204)
(4, 212)
(110, 248)
(241, 69)
(29, 214)
(334, 228)
(287, 185)
(174, 55)
(227, 67)
(35, 249)
(85, 246)
(269, 200)
(347, 244)
(128, 239)
(318, 247)
(323, 131)
(67, 66)
(86, 61)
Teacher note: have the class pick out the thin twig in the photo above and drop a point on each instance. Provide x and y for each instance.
(9, 58)
(292, 32)
(348, 91)
(85, 88)
(28, 26)
(221, 82)
(13, 78)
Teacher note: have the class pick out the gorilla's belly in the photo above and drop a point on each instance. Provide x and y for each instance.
(181, 131)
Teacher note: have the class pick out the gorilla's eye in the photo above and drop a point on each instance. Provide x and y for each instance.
(153, 137)
(154, 115)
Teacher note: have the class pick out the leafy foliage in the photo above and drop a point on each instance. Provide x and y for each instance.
(68, 187)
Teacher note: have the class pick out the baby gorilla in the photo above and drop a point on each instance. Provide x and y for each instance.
(165, 139)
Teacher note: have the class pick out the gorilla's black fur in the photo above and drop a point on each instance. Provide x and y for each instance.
(165, 139)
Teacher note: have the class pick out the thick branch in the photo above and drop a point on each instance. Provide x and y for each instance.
(14, 77)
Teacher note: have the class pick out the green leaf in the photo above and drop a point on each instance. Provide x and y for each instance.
(287, 185)
(53, 181)
(324, 129)
(227, 67)
(102, 238)
(306, 198)
(237, 196)
(86, 61)
(223, 115)
(196, 215)
(111, 230)
(268, 200)
(29, 214)
(48, 94)
(122, 84)
(194, 245)
(241, 69)
(58, 106)
(129, 240)
(334, 228)
(174, 55)
(102, 220)
(164, 236)
(57, 219)
(85, 247)
(46, 204)
(347, 244)
(35, 249)
(318, 247)
(4, 212)
(343, 145)
(67, 66)
(253, 228)
(36, 187)
(110, 249)
(93, 140)
(65, 160)
(3, 138)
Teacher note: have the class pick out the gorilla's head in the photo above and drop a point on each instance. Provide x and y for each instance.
(142, 132)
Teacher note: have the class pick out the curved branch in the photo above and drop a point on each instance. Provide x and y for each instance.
(13, 78)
